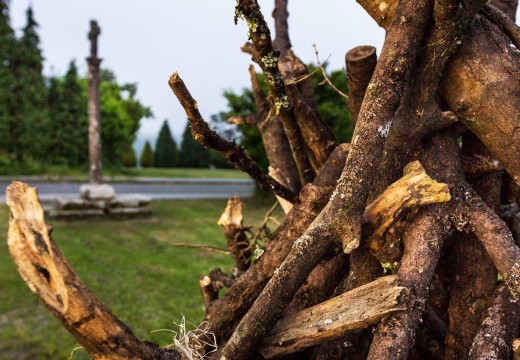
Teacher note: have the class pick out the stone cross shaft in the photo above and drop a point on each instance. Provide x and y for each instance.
(94, 113)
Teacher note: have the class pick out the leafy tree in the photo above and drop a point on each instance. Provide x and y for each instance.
(192, 154)
(166, 153)
(331, 106)
(129, 158)
(121, 113)
(146, 159)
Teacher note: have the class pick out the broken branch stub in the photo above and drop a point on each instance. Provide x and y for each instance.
(361, 62)
(413, 190)
(48, 274)
(354, 310)
(231, 221)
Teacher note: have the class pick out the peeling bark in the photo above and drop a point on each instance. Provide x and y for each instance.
(231, 221)
(353, 310)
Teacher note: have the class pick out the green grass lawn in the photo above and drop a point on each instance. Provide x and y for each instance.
(129, 173)
(130, 265)
(184, 173)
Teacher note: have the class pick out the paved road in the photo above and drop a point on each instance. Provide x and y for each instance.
(160, 189)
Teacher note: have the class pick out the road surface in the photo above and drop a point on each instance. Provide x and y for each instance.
(157, 189)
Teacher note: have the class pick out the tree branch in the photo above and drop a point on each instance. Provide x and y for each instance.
(234, 154)
(423, 241)
(495, 336)
(267, 59)
(503, 21)
(50, 277)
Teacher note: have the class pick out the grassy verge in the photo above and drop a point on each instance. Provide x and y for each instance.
(129, 173)
(184, 173)
(130, 265)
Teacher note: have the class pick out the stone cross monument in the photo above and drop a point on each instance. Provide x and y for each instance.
(97, 199)
(94, 113)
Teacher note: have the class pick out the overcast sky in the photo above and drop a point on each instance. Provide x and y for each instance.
(145, 41)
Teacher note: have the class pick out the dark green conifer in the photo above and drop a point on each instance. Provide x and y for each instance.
(68, 120)
(7, 77)
(129, 158)
(166, 153)
(192, 154)
(146, 159)
(29, 120)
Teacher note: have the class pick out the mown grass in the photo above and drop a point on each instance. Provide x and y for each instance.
(81, 174)
(130, 265)
(183, 173)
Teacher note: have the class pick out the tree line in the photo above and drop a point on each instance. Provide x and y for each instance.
(167, 154)
(44, 120)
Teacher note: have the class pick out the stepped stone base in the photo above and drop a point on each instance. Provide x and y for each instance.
(99, 201)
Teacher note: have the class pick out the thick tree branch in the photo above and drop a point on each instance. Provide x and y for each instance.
(418, 114)
(472, 283)
(505, 23)
(281, 42)
(234, 154)
(495, 336)
(423, 241)
(379, 105)
(50, 277)
(508, 7)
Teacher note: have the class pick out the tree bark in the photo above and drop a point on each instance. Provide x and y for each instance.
(472, 283)
(495, 337)
(479, 84)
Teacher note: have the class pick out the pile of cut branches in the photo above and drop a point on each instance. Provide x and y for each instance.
(401, 244)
